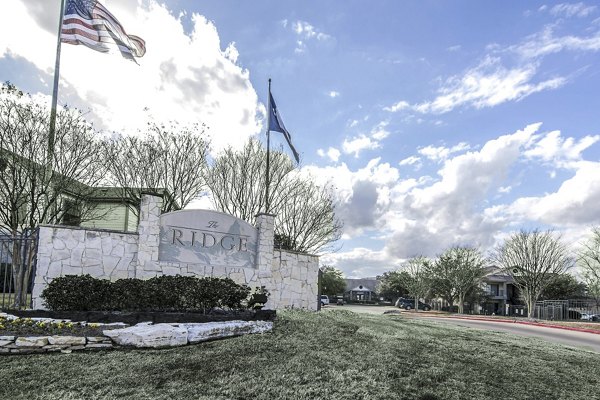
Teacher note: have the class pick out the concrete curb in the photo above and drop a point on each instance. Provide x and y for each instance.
(568, 328)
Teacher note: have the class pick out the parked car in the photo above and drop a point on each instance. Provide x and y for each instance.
(586, 316)
(324, 300)
(409, 304)
(591, 317)
(340, 301)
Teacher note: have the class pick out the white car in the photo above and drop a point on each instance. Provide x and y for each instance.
(590, 317)
(586, 317)
(324, 300)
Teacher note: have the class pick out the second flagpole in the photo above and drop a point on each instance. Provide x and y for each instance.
(268, 150)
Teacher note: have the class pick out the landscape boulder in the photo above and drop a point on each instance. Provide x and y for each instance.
(146, 335)
(217, 330)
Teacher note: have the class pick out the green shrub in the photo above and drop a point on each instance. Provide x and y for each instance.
(77, 292)
(162, 293)
(129, 295)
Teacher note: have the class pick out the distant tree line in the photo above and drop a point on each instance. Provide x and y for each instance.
(537, 261)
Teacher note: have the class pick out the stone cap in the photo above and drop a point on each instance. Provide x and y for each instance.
(266, 214)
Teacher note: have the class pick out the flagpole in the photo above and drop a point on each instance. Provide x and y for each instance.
(51, 132)
(268, 145)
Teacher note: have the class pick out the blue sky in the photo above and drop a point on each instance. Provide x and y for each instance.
(438, 122)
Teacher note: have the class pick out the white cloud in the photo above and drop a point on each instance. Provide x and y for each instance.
(487, 85)
(363, 194)
(332, 153)
(571, 10)
(491, 82)
(362, 142)
(412, 160)
(441, 153)
(552, 147)
(307, 31)
(361, 262)
(300, 47)
(576, 202)
(454, 48)
(426, 218)
(184, 77)
(399, 106)
(379, 132)
(545, 43)
(427, 214)
(358, 144)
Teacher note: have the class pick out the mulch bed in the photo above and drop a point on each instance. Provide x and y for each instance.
(132, 318)
(27, 327)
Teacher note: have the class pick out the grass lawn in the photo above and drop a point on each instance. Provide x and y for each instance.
(333, 355)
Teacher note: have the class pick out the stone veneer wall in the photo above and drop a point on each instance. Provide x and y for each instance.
(76, 251)
(291, 278)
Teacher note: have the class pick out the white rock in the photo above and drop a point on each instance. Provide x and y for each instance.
(97, 339)
(70, 340)
(43, 320)
(159, 335)
(200, 332)
(31, 341)
(119, 324)
(9, 317)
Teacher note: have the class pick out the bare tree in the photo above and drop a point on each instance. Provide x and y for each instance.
(237, 180)
(533, 259)
(164, 157)
(419, 282)
(456, 273)
(588, 261)
(33, 189)
(307, 221)
(305, 212)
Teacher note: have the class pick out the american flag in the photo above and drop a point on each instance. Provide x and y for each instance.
(89, 23)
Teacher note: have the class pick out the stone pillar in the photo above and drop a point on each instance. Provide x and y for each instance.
(149, 235)
(266, 243)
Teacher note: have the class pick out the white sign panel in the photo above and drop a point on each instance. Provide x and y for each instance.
(207, 237)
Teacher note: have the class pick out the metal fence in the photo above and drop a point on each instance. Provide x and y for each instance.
(17, 269)
(568, 310)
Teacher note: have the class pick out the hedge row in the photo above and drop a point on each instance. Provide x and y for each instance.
(163, 293)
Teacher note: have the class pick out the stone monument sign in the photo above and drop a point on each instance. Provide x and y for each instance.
(207, 237)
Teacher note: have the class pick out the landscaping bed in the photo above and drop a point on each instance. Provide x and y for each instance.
(132, 318)
(30, 327)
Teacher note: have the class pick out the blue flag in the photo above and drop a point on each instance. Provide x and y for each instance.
(276, 124)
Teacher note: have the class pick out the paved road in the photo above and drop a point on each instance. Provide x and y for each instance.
(583, 340)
